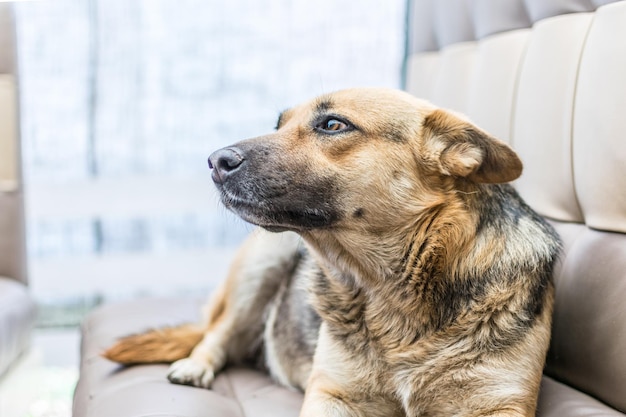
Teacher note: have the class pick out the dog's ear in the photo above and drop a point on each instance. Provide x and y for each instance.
(463, 150)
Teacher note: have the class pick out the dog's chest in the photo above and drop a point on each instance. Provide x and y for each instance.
(362, 322)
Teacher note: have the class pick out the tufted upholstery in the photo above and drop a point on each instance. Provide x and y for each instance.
(549, 77)
(550, 64)
(599, 125)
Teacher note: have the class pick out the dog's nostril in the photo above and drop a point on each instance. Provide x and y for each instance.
(225, 161)
(229, 162)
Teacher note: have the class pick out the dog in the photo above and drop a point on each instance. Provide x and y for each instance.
(394, 271)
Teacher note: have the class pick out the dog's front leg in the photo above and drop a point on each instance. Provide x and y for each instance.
(318, 403)
(235, 312)
(200, 367)
(210, 355)
(325, 398)
(343, 385)
(327, 392)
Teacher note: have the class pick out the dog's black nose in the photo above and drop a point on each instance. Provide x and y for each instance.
(224, 162)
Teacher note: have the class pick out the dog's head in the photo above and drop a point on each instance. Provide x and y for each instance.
(357, 157)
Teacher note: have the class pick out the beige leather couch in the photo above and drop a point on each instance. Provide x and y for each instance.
(549, 77)
(17, 310)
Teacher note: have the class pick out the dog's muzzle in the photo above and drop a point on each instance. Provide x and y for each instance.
(225, 162)
(267, 190)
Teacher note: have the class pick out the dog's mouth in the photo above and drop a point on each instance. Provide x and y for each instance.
(282, 212)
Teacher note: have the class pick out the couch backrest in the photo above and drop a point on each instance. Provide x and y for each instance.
(549, 77)
(12, 247)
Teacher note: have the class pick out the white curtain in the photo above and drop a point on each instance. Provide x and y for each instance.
(123, 100)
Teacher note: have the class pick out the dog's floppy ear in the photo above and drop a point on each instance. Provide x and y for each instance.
(463, 150)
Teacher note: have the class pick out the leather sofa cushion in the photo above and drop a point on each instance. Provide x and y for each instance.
(599, 154)
(588, 335)
(493, 83)
(542, 130)
(106, 389)
(495, 16)
(559, 400)
(541, 9)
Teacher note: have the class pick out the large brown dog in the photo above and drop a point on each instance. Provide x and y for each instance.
(415, 284)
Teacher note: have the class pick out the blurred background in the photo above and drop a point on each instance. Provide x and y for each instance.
(122, 101)
(120, 104)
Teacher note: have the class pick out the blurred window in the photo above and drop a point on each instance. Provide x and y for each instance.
(122, 101)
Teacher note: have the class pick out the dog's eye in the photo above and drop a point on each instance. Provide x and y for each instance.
(332, 125)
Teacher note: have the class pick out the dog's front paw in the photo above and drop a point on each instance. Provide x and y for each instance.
(191, 372)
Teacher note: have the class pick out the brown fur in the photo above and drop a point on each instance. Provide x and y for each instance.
(421, 286)
(164, 345)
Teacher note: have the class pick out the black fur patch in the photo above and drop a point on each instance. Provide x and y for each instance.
(280, 120)
(342, 307)
(358, 213)
(323, 106)
(297, 327)
(501, 211)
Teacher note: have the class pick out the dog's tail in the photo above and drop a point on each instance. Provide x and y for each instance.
(156, 346)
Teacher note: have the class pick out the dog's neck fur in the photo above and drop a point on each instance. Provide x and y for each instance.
(414, 266)
(373, 257)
